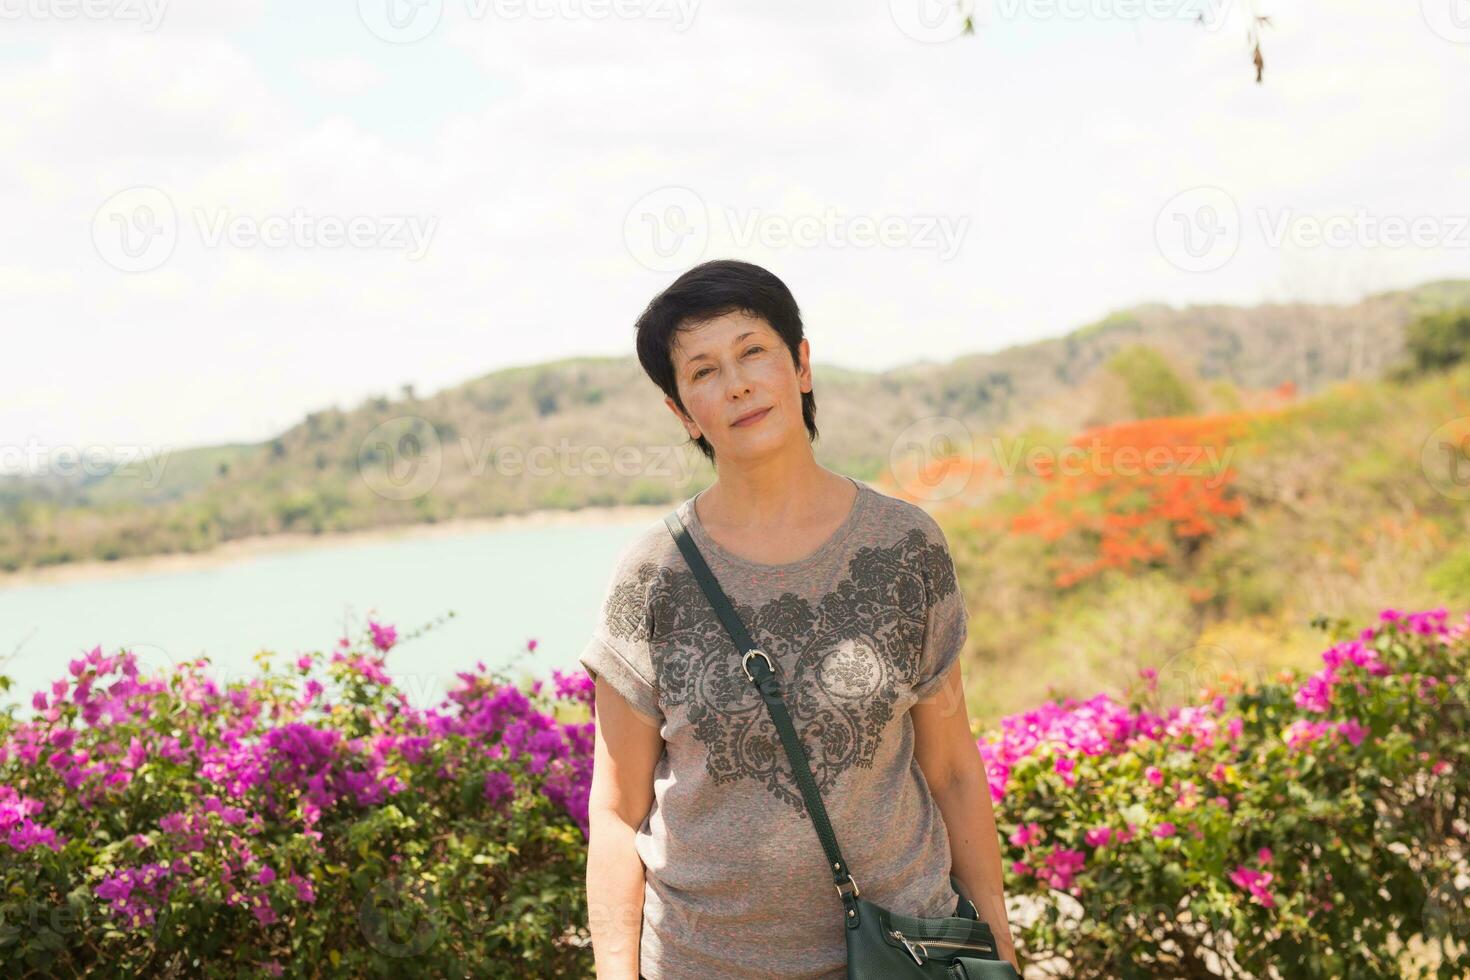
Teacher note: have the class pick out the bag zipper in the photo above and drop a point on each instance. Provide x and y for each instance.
(910, 944)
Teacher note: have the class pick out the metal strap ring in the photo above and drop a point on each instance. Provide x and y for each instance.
(745, 666)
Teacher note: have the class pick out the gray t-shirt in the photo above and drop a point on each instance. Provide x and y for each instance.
(736, 881)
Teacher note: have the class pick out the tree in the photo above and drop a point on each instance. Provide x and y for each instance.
(1438, 340)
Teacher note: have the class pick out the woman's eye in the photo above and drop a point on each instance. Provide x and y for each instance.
(703, 371)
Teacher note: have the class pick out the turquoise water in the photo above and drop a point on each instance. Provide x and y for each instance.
(505, 586)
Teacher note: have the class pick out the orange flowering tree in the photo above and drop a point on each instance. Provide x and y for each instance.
(1135, 493)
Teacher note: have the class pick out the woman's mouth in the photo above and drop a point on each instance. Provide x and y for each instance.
(753, 419)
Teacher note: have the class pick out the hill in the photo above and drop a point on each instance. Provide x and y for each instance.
(593, 431)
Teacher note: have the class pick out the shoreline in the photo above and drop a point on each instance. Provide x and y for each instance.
(240, 549)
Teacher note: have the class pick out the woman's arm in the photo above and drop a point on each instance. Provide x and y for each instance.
(950, 760)
(626, 749)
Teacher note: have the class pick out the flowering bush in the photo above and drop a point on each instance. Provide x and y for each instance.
(307, 821)
(311, 821)
(1303, 829)
(1136, 493)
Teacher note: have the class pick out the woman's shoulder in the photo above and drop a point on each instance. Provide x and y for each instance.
(893, 516)
(649, 550)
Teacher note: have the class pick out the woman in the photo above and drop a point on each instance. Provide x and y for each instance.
(702, 860)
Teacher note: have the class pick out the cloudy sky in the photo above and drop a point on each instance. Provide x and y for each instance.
(222, 214)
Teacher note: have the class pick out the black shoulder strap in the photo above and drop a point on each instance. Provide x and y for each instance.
(761, 671)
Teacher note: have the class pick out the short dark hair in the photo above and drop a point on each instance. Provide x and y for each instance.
(707, 291)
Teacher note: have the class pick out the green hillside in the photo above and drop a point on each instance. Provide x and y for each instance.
(593, 431)
(1345, 503)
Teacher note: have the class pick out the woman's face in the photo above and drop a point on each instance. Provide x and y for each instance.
(733, 365)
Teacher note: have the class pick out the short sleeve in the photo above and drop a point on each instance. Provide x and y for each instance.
(619, 648)
(946, 618)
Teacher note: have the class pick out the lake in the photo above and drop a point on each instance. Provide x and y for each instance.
(505, 585)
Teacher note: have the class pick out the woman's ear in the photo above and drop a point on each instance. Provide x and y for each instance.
(804, 369)
(689, 424)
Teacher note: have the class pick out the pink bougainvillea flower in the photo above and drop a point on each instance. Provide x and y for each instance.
(1256, 883)
(1352, 730)
(383, 636)
(1026, 834)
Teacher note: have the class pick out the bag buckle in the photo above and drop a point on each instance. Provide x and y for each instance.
(754, 652)
(850, 881)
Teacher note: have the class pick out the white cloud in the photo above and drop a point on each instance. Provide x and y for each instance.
(341, 76)
(527, 141)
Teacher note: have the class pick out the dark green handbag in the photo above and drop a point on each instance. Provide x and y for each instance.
(881, 945)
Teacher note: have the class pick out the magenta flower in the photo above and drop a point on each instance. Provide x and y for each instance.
(1352, 730)
(1316, 694)
(1026, 834)
(383, 636)
(499, 787)
(1256, 883)
(1061, 868)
